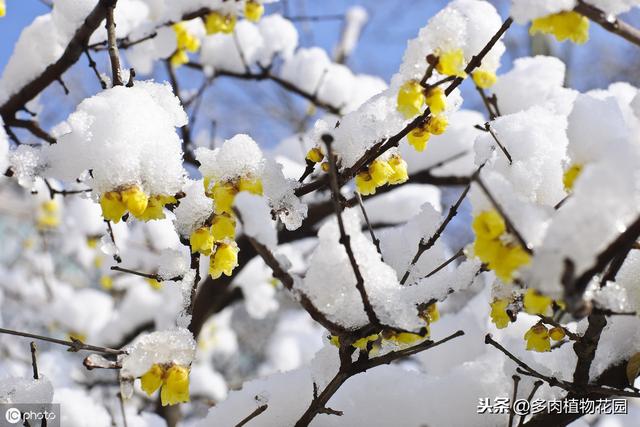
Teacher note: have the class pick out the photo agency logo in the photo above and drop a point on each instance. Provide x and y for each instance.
(19, 414)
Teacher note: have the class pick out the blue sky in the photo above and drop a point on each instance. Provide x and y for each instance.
(392, 23)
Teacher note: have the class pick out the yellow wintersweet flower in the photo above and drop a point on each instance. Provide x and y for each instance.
(406, 338)
(223, 194)
(3, 8)
(92, 242)
(223, 260)
(557, 333)
(484, 79)
(179, 58)
(77, 336)
(436, 100)
(315, 155)
(201, 241)
(152, 379)
(488, 225)
(155, 207)
(251, 185)
(433, 315)
(361, 343)
(334, 340)
(174, 382)
(536, 303)
(451, 63)
(411, 99)
(112, 206)
(325, 166)
(437, 125)
(135, 200)
(253, 11)
(217, 23)
(399, 167)
(418, 138)
(380, 172)
(571, 175)
(365, 184)
(510, 258)
(106, 282)
(176, 386)
(223, 227)
(538, 338)
(499, 315)
(185, 40)
(155, 284)
(503, 258)
(48, 217)
(566, 25)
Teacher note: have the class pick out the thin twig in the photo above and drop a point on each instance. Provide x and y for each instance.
(114, 56)
(74, 345)
(259, 410)
(34, 361)
(146, 275)
(375, 240)
(487, 126)
(345, 239)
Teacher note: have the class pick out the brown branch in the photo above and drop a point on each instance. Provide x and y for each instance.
(33, 127)
(145, 275)
(511, 227)
(345, 239)
(265, 74)
(94, 66)
(382, 146)
(74, 345)
(425, 245)
(349, 369)
(609, 23)
(114, 57)
(374, 239)
(53, 72)
(259, 410)
(488, 128)
(34, 360)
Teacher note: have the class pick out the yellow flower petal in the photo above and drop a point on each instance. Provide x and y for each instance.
(251, 185)
(176, 387)
(201, 241)
(489, 225)
(223, 260)
(223, 195)
(567, 25)
(253, 11)
(557, 333)
(571, 175)
(418, 138)
(315, 155)
(436, 100)
(411, 99)
(499, 315)
(135, 200)
(112, 206)
(399, 167)
(365, 184)
(380, 172)
(536, 303)
(223, 227)
(538, 338)
(152, 379)
(484, 79)
(437, 125)
(451, 63)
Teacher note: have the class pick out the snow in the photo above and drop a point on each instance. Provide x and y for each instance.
(194, 209)
(110, 134)
(170, 346)
(77, 406)
(523, 11)
(238, 156)
(256, 218)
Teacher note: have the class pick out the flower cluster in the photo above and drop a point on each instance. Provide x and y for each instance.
(497, 248)
(539, 337)
(374, 342)
(381, 172)
(48, 215)
(172, 379)
(134, 200)
(186, 42)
